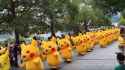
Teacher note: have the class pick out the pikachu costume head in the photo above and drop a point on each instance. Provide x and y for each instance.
(29, 52)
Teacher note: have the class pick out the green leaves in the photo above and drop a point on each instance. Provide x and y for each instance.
(34, 15)
(4, 4)
(122, 20)
(110, 5)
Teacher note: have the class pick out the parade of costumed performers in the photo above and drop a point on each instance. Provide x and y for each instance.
(56, 50)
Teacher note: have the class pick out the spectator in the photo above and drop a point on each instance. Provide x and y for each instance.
(120, 59)
(11, 45)
(14, 51)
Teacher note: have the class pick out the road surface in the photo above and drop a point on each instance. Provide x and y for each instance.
(99, 59)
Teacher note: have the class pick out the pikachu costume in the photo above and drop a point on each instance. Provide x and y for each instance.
(80, 44)
(52, 55)
(65, 49)
(30, 57)
(4, 59)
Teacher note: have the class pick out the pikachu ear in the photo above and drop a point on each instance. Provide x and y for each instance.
(22, 46)
(34, 43)
(2, 49)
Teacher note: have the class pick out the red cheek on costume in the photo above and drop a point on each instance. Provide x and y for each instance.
(32, 55)
(53, 49)
(81, 42)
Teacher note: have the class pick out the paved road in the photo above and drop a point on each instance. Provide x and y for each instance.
(99, 59)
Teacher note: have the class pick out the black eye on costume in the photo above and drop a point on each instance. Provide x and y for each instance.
(27, 51)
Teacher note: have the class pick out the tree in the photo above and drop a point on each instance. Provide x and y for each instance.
(33, 15)
(110, 6)
(52, 13)
(84, 13)
(122, 20)
(18, 16)
(48, 15)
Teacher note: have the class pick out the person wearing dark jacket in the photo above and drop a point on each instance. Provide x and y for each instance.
(14, 51)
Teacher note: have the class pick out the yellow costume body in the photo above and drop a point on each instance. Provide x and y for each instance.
(4, 59)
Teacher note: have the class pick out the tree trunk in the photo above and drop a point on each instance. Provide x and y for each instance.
(12, 9)
(52, 25)
(52, 29)
(17, 41)
(86, 25)
(76, 29)
(13, 14)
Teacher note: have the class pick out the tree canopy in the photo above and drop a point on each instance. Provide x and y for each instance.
(49, 15)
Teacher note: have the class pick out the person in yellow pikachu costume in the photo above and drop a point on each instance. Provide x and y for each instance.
(117, 33)
(102, 41)
(89, 40)
(93, 40)
(31, 58)
(52, 55)
(38, 46)
(4, 59)
(99, 36)
(80, 45)
(53, 42)
(43, 52)
(65, 49)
